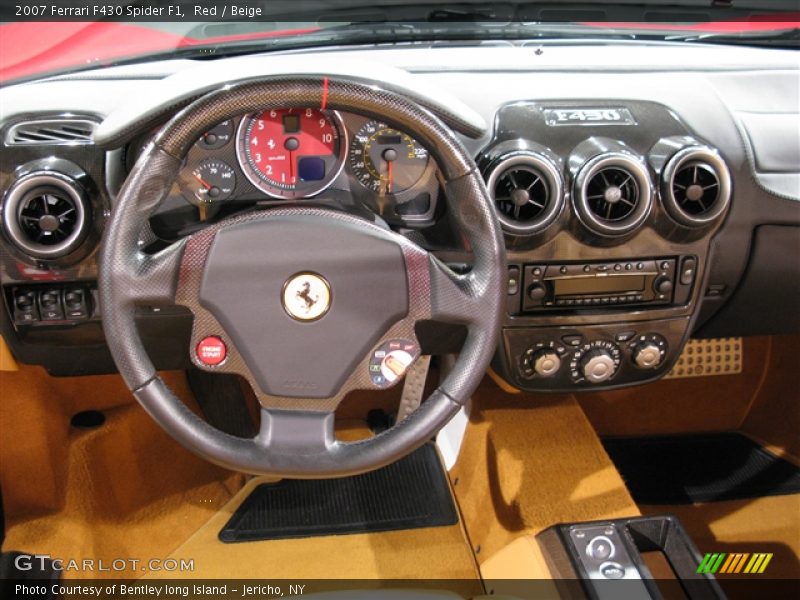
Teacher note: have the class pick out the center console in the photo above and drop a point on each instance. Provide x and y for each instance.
(609, 210)
(641, 557)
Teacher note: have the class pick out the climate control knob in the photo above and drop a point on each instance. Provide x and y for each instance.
(598, 366)
(649, 351)
(647, 356)
(546, 363)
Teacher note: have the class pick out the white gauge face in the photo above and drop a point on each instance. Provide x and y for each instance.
(386, 160)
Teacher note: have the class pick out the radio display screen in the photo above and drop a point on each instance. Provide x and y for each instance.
(598, 285)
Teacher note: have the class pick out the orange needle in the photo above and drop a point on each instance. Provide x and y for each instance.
(389, 172)
(207, 185)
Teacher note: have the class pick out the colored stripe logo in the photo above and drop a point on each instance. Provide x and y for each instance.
(722, 563)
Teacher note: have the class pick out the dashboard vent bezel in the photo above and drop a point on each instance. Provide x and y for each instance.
(548, 177)
(709, 161)
(33, 187)
(57, 131)
(582, 200)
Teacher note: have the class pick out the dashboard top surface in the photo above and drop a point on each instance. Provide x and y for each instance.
(705, 94)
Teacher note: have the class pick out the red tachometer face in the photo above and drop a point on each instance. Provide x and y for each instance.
(291, 153)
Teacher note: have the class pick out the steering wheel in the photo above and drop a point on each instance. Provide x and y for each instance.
(306, 303)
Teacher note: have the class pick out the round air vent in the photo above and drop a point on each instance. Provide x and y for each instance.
(527, 191)
(696, 186)
(612, 194)
(45, 215)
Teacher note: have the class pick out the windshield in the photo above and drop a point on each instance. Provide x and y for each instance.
(44, 39)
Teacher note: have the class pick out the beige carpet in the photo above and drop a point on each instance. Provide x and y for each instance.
(529, 461)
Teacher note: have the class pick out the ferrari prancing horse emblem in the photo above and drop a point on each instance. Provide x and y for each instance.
(306, 296)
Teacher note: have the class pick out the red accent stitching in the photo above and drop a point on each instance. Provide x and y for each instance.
(324, 104)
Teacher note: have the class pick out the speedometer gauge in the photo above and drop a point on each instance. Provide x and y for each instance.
(291, 153)
(386, 160)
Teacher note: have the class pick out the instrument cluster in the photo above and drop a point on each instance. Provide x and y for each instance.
(297, 154)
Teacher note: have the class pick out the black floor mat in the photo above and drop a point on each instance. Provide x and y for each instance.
(411, 493)
(700, 468)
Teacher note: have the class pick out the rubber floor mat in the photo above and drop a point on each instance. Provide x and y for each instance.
(700, 468)
(408, 494)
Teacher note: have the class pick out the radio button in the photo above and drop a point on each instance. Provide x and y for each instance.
(663, 285)
(513, 280)
(536, 292)
(687, 270)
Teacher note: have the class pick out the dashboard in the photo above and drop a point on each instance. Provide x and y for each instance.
(639, 201)
(278, 156)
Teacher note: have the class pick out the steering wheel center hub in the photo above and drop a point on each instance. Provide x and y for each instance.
(306, 296)
(301, 332)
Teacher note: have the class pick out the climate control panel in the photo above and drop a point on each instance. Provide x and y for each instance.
(591, 356)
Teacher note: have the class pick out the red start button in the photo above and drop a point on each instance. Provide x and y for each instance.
(211, 351)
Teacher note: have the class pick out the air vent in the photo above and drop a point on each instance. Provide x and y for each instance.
(51, 132)
(527, 191)
(45, 215)
(612, 194)
(696, 186)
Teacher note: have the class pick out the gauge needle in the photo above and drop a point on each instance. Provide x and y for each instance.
(202, 207)
(205, 184)
(389, 176)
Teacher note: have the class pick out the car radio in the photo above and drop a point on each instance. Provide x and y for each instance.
(559, 286)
